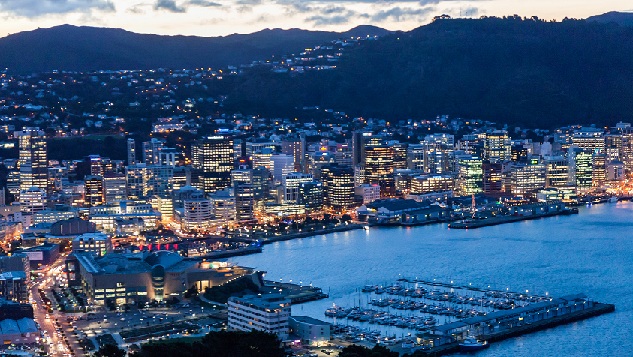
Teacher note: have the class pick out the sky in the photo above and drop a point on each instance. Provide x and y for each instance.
(223, 17)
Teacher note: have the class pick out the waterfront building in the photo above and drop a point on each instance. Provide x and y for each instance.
(598, 169)
(497, 146)
(243, 189)
(469, 175)
(492, 179)
(627, 149)
(379, 166)
(369, 193)
(613, 147)
(526, 177)
(338, 186)
(556, 171)
(311, 195)
(130, 278)
(223, 202)
(96, 243)
(93, 190)
(105, 217)
(197, 210)
(580, 169)
(214, 157)
(263, 312)
(33, 159)
(311, 332)
(615, 171)
(291, 184)
(432, 183)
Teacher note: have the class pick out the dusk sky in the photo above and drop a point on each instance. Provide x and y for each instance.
(222, 17)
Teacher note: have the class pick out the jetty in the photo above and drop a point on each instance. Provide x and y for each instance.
(468, 313)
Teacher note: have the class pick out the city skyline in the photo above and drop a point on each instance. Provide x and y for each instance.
(222, 17)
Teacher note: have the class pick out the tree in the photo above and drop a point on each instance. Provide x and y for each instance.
(109, 350)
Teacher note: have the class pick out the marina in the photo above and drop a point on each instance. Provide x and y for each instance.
(443, 318)
(552, 257)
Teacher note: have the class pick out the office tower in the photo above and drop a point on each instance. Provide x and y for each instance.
(379, 166)
(33, 160)
(282, 165)
(626, 153)
(214, 157)
(469, 175)
(338, 186)
(93, 190)
(526, 177)
(95, 164)
(114, 187)
(589, 139)
(580, 169)
(242, 183)
(32, 200)
(497, 146)
(291, 184)
(197, 210)
(598, 169)
(296, 148)
(613, 147)
(131, 152)
(556, 171)
(493, 178)
(519, 153)
(432, 183)
(311, 195)
(137, 180)
(167, 157)
(415, 157)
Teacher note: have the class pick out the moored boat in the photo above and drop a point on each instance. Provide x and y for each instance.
(471, 344)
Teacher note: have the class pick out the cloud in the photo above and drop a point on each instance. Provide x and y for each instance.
(169, 5)
(36, 8)
(203, 3)
(398, 14)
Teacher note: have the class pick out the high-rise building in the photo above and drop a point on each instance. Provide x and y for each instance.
(493, 178)
(33, 159)
(497, 146)
(580, 168)
(527, 177)
(151, 151)
(93, 190)
(556, 171)
(598, 169)
(131, 152)
(198, 211)
(296, 148)
(379, 166)
(282, 165)
(432, 183)
(114, 187)
(415, 157)
(214, 157)
(590, 139)
(32, 200)
(469, 175)
(242, 183)
(311, 195)
(291, 184)
(338, 182)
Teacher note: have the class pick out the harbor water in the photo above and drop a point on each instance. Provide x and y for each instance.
(590, 253)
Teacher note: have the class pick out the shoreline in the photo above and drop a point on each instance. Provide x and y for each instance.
(281, 238)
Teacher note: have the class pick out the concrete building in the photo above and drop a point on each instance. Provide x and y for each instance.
(268, 313)
(97, 243)
(310, 331)
(129, 278)
(14, 286)
(369, 193)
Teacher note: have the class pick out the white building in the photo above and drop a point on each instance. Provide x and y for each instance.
(282, 165)
(32, 200)
(268, 313)
(291, 184)
(370, 193)
(311, 331)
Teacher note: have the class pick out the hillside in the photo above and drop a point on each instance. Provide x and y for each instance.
(88, 48)
(524, 72)
(620, 18)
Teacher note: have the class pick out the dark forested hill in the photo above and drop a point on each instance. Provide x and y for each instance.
(620, 18)
(517, 71)
(89, 48)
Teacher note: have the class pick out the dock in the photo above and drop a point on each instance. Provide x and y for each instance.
(493, 221)
(296, 293)
(468, 312)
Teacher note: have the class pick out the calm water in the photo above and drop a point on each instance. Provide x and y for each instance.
(591, 252)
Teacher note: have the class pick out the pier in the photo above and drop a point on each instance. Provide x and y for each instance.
(493, 221)
(482, 314)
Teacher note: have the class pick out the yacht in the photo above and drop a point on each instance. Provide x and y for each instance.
(471, 344)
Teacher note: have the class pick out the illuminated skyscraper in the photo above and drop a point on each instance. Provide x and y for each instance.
(469, 175)
(33, 160)
(214, 155)
(497, 146)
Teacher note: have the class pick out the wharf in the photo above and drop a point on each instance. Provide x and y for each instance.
(521, 329)
(493, 221)
(229, 253)
(284, 237)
